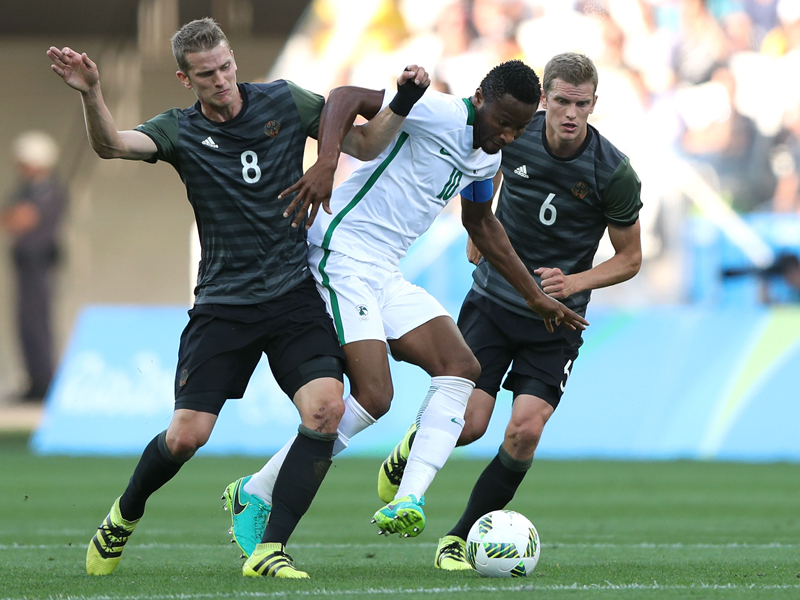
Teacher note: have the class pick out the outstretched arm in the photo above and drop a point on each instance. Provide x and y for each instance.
(80, 73)
(365, 142)
(490, 238)
(622, 266)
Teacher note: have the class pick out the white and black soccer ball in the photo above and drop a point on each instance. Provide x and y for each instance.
(503, 543)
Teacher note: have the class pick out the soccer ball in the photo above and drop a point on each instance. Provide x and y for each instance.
(503, 543)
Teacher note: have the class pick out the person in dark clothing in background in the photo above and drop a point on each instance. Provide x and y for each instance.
(31, 218)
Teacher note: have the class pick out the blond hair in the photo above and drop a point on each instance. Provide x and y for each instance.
(196, 36)
(570, 67)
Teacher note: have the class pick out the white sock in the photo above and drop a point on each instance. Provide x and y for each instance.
(262, 483)
(354, 420)
(439, 423)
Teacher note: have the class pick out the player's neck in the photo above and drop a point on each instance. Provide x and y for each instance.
(220, 114)
(564, 148)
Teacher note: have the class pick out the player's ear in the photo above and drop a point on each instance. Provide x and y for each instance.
(184, 79)
(594, 103)
(477, 98)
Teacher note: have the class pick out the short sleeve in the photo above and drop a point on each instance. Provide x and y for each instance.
(622, 196)
(431, 114)
(479, 191)
(163, 130)
(309, 105)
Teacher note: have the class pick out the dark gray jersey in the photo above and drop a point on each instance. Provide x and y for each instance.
(233, 172)
(555, 210)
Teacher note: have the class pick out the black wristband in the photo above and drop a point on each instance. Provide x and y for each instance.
(406, 96)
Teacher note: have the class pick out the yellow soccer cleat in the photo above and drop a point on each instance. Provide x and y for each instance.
(105, 549)
(451, 554)
(271, 560)
(391, 472)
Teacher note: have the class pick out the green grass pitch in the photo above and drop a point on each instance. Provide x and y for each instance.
(651, 530)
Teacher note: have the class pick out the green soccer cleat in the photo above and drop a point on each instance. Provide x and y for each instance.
(249, 515)
(107, 544)
(404, 516)
(271, 560)
(391, 471)
(451, 555)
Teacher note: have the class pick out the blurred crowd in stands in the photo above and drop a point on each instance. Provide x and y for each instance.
(709, 83)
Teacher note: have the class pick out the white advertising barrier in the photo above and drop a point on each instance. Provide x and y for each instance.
(656, 383)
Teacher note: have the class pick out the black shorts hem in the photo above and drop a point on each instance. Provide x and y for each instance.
(525, 384)
(207, 402)
(315, 368)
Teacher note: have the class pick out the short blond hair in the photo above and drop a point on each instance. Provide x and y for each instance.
(570, 67)
(36, 149)
(196, 36)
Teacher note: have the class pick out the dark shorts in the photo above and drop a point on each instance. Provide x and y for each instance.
(540, 361)
(222, 344)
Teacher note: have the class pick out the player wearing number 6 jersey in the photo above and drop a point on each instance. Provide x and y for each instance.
(239, 151)
(563, 185)
(446, 146)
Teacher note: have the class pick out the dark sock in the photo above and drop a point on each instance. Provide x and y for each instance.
(493, 491)
(156, 467)
(303, 470)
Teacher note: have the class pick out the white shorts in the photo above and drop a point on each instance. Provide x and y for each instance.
(369, 302)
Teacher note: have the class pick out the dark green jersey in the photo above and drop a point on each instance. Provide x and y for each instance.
(555, 210)
(233, 172)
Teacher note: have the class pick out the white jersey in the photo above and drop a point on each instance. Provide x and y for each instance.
(387, 203)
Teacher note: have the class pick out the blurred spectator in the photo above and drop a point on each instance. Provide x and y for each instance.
(763, 16)
(31, 219)
(703, 45)
(786, 164)
(785, 36)
(728, 142)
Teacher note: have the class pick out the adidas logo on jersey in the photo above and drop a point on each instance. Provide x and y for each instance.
(210, 143)
(521, 171)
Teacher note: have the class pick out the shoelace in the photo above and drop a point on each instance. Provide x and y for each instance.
(117, 535)
(454, 548)
(286, 557)
(395, 471)
(261, 518)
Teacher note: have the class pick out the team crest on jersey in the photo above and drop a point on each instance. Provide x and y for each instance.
(580, 189)
(272, 128)
(184, 378)
(363, 312)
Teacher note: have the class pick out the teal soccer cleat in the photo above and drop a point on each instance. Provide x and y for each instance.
(249, 515)
(404, 516)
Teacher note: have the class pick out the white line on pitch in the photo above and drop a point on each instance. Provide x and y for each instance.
(427, 591)
(395, 545)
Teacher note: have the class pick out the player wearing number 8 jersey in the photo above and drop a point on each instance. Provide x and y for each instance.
(239, 152)
(446, 146)
(563, 185)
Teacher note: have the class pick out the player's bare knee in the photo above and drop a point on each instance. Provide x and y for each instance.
(376, 399)
(471, 433)
(524, 435)
(184, 442)
(465, 366)
(327, 413)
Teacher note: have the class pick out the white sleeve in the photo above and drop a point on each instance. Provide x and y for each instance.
(432, 113)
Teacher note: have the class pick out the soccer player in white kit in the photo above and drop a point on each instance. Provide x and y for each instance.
(447, 146)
